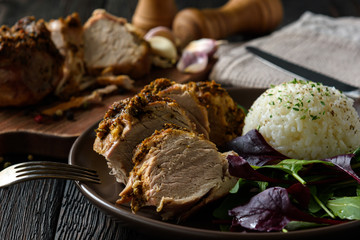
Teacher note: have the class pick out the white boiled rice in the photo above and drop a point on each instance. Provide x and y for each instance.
(306, 120)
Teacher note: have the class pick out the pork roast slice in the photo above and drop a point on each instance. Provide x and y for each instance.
(30, 64)
(67, 35)
(185, 96)
(177, 171)
(209, 105)
(226, 118)
(129, 122)
(112, 45)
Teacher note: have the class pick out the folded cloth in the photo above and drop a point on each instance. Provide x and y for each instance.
(327, 45)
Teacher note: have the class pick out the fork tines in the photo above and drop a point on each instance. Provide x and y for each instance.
(45, 169)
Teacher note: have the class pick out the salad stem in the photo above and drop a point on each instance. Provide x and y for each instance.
(297, 177)
(317, 200)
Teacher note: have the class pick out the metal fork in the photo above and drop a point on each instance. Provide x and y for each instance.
(42, 169)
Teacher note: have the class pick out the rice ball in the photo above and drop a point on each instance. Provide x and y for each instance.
(305, 120)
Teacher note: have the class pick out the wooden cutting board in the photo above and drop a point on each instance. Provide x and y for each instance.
(20, 133)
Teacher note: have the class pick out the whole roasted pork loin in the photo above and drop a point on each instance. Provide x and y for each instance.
(64, 57)
(161, 144)
(177, 171)
(30, 64)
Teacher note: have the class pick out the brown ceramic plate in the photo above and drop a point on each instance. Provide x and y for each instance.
(200, 226)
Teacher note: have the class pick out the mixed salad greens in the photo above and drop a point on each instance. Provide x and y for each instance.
(276, 193)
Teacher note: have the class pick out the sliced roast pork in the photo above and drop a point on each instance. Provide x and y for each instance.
(112, 45)
(177, 171)
(185, 96)
(30, 64)
(209, 105)
(67, 35)
(226, 118)
(130, 121)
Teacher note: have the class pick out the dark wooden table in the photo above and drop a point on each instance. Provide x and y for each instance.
(55, 209)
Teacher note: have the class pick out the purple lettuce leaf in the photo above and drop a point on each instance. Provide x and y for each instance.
(270, 210)
(301, 193)
(257, 152)
(239, 167)
(343, 163)
(254, 149)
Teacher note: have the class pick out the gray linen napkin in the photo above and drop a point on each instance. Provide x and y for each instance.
(327, 45)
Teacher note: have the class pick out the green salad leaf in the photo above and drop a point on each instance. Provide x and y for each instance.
(345, 207)
(293, 166)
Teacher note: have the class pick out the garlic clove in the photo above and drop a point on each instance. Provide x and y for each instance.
(196, 54)
(161, 31)
(205, 45)
(192, 62)
(163, 47)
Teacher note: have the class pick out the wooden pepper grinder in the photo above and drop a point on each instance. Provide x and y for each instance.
(236, 16)
(153, 13)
